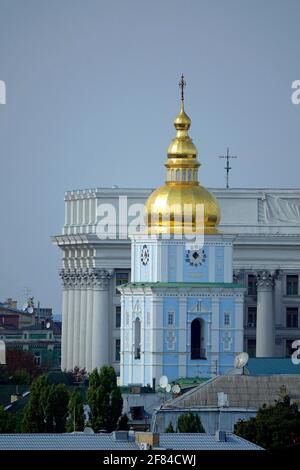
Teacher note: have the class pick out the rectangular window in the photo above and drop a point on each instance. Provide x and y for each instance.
(292, 317)
(170, 319)
(292, 284)
(227, 319)
(117, 350)
(252, 289)
(122, 277)
(118, 316)
(251, 321)
(251, 347)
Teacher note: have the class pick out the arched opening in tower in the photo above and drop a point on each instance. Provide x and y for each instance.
(197, 339)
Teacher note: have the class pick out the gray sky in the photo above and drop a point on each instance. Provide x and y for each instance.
(92, 93)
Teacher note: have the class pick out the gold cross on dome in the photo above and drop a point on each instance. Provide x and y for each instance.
(182, 85)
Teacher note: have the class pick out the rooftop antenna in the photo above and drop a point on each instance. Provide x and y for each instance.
(227, 168)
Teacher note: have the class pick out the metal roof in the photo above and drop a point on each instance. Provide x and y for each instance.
(272, 366)
(82, 441)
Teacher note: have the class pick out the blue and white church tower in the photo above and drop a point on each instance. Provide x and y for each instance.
(182, 314)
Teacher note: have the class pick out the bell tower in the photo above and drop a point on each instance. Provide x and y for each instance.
(182, 315)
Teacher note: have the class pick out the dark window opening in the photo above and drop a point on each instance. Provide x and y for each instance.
(292, 317)
(251, 321)
(122, 277)
(291, 284)
(137, 413)
(117, 350)
(251, 346)
(252, 288)
(137, 339)
(118, 317)
(197, 350)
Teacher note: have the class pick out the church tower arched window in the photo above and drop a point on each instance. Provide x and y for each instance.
(137, 338)
(197, 339)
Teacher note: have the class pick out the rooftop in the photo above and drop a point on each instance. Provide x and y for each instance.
(243, 391)
(82, 441)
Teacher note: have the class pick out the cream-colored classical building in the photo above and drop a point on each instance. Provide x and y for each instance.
(266, 258)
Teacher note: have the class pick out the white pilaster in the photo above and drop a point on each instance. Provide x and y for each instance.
(182, 336)
(215, 332)
(211, 263)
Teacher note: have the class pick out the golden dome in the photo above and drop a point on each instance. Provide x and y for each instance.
(182, 193)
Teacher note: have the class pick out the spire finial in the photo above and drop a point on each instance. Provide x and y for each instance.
(182, 85)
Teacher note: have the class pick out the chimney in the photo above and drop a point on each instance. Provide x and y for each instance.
(220, 436)
(11, 303)
(147, 439)
(15, 397)
(120, 435)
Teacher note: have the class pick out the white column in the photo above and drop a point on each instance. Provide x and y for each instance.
(100, 341)
(158, 340)
(89, 324)
(215, 334)
(70, 321)
(64, 338)
(265, 315)
(76, 331)
(83, 315)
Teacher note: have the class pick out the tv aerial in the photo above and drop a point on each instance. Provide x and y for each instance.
(241, 360)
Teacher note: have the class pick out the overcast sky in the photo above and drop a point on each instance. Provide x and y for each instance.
(92, 93)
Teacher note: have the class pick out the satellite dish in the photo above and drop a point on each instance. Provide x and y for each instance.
(24, 308)
(144, 446)
(168, 388)
(241, 360)
(176, 389)
(163, 381)
(48, 324)
(30, 310)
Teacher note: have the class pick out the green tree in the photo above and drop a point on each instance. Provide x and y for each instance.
(6, 421)
(189, 422)
(75, 421)
(55, 400)
(104, 399)
(21, 376)
(116, 406)
(169, 428)
(274, 427)
(122, 424)
(47, 408)
(34, 416)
